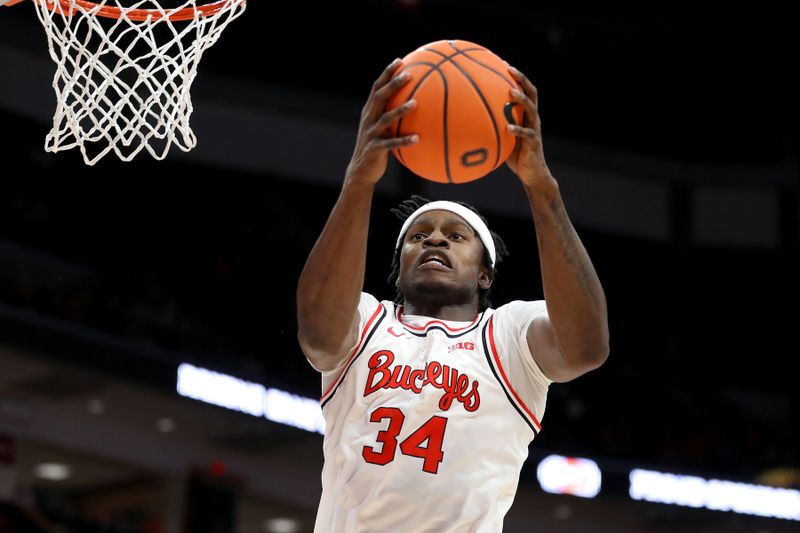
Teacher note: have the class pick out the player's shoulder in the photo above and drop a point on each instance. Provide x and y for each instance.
(371, 309)
(369, 303)
(516, 316)
(368, 298)
(522, 307)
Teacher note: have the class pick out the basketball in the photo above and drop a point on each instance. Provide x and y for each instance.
(463, 94)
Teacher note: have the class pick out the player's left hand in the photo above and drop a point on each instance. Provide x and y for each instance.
(527, 159)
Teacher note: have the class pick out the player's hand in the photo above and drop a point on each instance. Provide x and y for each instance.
(527, 159)
(375, 139)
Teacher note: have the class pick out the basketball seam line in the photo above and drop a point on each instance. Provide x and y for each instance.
(444, 126)
(483, 99)
(510, 82)
(499, 74)
(435, 67)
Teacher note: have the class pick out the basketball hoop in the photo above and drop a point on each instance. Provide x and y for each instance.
(124, 74)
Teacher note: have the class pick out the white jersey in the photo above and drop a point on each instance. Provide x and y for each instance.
(428, 421)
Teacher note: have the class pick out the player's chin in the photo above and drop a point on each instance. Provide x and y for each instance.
(433, 277)
(441, 289)
(432, 287)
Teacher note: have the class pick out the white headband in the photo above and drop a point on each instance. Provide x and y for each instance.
(467, 214)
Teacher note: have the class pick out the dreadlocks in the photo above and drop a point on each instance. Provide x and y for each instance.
(405, 209)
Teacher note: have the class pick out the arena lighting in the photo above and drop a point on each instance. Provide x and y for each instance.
(569, 475)
(251, 398)
(96, 406)
(293, 410)
(714, 494)
(53, 471)
(281, 525)
(165, 425)
(220, 389)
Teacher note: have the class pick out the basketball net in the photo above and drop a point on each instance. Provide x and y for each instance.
(124, 74)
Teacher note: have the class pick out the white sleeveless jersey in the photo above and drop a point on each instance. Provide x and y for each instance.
(428, 421)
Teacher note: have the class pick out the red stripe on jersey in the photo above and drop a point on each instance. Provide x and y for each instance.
(505, 379)
(421, 328)
(355, 350)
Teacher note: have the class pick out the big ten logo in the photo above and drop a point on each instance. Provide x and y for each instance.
(461, 346)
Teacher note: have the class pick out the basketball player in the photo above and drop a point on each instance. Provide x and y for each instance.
(430, 402)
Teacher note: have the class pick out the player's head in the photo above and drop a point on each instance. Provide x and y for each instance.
(458, 236)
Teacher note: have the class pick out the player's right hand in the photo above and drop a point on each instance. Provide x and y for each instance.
(375, 139)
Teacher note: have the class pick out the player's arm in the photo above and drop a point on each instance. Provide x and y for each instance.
(573, 338)
(331, 282)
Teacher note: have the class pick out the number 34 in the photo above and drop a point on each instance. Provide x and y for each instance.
(432, 431)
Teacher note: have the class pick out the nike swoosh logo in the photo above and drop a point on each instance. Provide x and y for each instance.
(391, 332)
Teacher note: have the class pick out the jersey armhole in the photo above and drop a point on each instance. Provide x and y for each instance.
(527, 355)
(332, 378)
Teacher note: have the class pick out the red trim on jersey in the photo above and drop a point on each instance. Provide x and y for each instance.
(421, 328)
(355, 350)
(505, 379)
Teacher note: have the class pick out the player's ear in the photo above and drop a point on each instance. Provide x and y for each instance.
(484, 279)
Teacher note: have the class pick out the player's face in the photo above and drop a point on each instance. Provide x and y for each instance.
(442, 257)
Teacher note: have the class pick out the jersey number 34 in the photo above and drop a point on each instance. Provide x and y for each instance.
(432, 431)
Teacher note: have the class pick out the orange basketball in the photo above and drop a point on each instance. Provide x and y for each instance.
(463, 94)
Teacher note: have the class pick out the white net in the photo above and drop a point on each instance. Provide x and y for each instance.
(123, 84)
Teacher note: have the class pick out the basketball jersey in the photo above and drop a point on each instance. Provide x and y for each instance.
(428, 421)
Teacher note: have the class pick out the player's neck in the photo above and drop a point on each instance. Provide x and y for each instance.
(459, 312)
